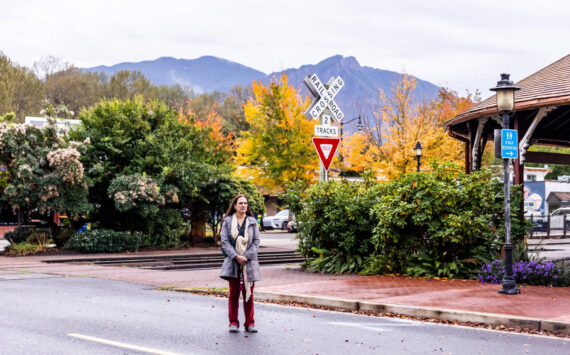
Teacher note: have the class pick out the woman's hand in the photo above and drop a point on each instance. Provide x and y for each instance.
(241, 260)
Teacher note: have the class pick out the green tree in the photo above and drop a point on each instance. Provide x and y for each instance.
(127, 84)
(214, 188)
(231, 108)
(138, 145)
(21, 91)
(74, 88)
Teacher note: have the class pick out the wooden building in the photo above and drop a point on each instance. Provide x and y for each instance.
(541, 117)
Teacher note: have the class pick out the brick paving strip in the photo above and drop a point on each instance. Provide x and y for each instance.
(537, 308)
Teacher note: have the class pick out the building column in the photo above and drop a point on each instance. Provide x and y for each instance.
(518, 168)
(467, 160)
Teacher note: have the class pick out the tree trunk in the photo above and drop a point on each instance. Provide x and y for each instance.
(198, 231)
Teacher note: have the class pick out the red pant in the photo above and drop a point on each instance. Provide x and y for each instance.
(233, 303)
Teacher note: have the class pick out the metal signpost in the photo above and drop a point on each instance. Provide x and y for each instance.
(509, 150)
(323, 107)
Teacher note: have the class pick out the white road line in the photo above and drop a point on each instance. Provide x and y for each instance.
(371, 326)
(120, 345)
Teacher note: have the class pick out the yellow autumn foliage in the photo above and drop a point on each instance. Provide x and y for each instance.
(277, 149)
(387, 145)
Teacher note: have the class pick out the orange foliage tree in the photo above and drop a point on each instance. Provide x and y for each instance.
(219, 143)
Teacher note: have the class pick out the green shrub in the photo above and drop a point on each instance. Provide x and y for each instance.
(165, 230)
(335, 225)
(104, 241)
(437, 224)
(62, 236)
(21, 234)
(441, 223)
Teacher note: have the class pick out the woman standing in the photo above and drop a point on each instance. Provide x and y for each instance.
(240, 242)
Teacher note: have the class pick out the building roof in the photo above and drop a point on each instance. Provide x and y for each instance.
(548, 86)
(558, 196)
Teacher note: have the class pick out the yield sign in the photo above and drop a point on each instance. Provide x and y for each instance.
(326, 147)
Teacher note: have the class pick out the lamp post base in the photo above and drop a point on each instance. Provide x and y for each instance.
(509, 286)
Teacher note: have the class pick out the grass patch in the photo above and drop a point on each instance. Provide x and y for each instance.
(26, 248)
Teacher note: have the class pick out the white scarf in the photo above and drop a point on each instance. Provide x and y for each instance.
(241, 246)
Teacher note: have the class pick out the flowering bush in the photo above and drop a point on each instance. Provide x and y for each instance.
(128, 191)
(41, 171)
(529, 272)
(67, 161)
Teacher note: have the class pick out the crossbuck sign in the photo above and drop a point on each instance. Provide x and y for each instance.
(324, 96)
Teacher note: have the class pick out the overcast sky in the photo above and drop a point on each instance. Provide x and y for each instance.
(459, 44)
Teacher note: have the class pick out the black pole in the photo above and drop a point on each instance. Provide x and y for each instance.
(419, 163)
(509, 283)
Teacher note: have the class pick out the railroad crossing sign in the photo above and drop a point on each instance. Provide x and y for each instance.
(509, 144)
(326, 147)
(324, 96)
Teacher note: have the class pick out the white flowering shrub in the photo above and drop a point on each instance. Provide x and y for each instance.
(42, 172)
(66, 160)
(130, 191)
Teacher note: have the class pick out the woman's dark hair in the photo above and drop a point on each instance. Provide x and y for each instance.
(230, 210)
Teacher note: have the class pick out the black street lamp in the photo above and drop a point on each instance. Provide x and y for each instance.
(506, 106)
(418, 149)
(359, 125)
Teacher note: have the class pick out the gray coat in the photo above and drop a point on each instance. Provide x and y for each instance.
(230, 268)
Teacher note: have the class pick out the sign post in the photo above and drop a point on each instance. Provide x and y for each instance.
(323, 107)
(509, 150)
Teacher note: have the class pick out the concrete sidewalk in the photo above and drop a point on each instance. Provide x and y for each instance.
(539, 308)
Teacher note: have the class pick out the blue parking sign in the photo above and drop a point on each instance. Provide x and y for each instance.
(509, 144)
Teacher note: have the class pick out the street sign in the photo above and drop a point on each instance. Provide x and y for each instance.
(326, 148)
(324, 96)
(326, 129)
(509, 144)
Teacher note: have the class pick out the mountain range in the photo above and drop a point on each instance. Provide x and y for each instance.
(207, 74)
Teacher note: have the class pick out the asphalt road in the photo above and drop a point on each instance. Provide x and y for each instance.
(42, 314)
(279, 239)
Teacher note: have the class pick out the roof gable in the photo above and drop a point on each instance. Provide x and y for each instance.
(550, 85)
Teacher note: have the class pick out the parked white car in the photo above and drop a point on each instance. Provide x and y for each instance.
(279, 221)
(561, 211)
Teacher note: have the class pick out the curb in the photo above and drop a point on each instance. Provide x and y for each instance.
(492, 319)
(337, 303)
(421, 312)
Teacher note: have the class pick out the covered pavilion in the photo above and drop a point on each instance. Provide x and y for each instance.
(541, 117)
